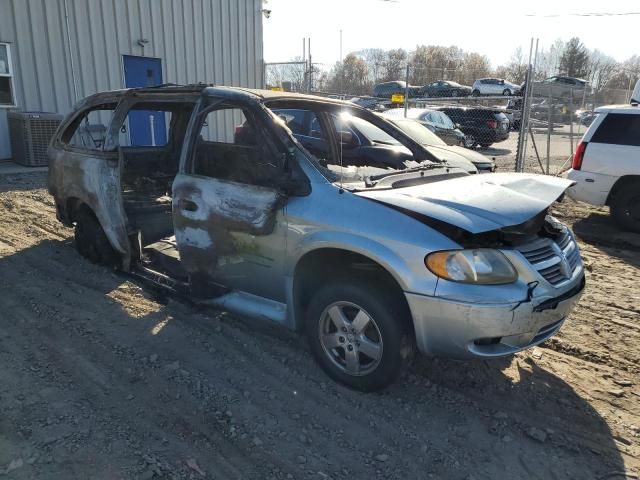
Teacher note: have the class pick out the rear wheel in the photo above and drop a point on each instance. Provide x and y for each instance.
(91, 241)
(476, 93)
(625, 207)
(359, 334)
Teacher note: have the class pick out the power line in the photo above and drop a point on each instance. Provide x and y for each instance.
(592, 14)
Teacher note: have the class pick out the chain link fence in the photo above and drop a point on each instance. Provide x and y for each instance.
(558, 118)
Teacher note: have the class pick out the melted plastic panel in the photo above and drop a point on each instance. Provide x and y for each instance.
(206, 212)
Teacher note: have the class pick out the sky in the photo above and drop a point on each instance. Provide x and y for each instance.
(492, 28)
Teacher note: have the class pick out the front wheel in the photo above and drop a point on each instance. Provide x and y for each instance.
(625, 207)
(359, 334)
(470, 141)
(475, 93)
(506, 92)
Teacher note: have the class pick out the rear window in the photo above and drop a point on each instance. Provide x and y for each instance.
(619, 129)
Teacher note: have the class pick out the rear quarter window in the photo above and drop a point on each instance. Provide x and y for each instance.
(618, 129)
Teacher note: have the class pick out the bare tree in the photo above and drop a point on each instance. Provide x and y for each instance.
(601, 69)
(473, 66)
(516, 69)
(548, 62)
(293, 74)
(375, 60)
(350, 76)
(394, 64)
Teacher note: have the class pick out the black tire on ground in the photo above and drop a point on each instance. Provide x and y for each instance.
(91, 241)
(476, 93)
(388, 324)
(625, 207)
(506, 92)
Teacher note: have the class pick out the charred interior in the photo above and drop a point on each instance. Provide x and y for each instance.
(148, 172)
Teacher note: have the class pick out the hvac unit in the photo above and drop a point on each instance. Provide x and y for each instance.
(30, 133)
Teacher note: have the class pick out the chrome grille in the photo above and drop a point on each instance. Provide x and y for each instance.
(556, 260)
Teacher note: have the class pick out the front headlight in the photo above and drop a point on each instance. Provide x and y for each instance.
(478, 265)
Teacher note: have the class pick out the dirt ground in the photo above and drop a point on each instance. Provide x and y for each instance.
(101, 378)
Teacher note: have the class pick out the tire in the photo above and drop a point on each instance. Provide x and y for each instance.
(625, 207)
(506, 92)
(91, 241)
(475, 93)
(368, 316)
(470, 141)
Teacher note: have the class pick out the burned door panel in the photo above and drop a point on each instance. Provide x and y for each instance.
(224, 229)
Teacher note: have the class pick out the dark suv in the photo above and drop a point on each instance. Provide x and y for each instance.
(481, 126)
(386, 89)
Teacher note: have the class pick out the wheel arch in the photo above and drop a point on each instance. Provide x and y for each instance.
(320, 265)
(621, 183)
(74, 205)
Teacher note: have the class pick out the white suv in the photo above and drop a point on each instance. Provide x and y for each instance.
(606, 165)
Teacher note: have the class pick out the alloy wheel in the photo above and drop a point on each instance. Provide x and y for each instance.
(350, 338)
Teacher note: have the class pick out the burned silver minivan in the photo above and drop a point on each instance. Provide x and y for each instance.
(318, 215)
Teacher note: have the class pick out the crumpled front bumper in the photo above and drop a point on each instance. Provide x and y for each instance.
(471, 330)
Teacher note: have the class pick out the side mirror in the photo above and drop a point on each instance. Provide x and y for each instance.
(501, 82)
(295, 187)
(457, 125)
(348, 139)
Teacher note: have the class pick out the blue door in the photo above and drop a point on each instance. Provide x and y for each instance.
(146, 128)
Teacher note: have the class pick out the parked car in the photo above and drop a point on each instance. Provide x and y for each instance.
(387, 89)
(445, 88)
(513, 111)
(561, 87)
(481, 126)
(361, 145)
(605, 165)
(468, 160)
(436, 121)
(369, 262)
(366, 102)
(494, 86)
(585, 117)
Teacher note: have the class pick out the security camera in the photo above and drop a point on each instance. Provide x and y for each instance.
(266, 12)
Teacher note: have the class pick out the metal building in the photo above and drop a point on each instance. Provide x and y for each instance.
(54, 52)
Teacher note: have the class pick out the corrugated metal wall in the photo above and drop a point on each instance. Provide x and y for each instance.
(213, 41)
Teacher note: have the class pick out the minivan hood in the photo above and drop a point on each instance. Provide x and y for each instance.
(477, 203)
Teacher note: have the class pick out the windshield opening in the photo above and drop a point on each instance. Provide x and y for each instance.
(352, 148)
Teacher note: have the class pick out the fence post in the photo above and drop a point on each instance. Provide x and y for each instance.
(571, 114)
(549, 109)
(406, 92)
(524, 117)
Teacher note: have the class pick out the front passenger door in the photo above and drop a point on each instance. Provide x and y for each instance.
(227, 205)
